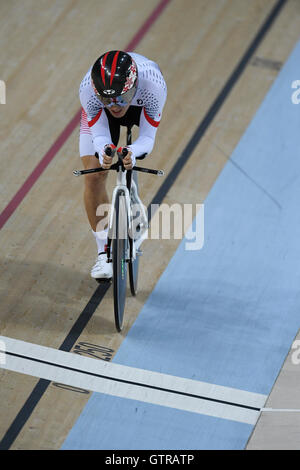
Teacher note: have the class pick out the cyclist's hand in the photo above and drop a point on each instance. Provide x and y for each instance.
(107, 160)
(128, 161)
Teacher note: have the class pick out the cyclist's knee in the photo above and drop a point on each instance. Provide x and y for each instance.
(93, 179)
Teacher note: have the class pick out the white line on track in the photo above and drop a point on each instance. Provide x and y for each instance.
(282, 410)
(131, 383)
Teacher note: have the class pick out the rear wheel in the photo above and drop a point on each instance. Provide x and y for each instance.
(134, 264)
(119, 254)
(133, 275)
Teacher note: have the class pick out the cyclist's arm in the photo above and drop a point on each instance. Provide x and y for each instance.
(146, 139)
(149, 122)
(97, 121)
(100, 132)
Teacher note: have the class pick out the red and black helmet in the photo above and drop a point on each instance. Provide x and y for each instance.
(115, 74)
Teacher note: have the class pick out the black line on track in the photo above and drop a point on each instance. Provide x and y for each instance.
(37, 393)
(130, 382)
(216, 106)
(42, 385)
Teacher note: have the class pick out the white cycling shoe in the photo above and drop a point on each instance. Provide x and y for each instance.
(102, 269)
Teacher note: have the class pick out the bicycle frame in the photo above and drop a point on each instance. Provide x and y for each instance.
(121, 184)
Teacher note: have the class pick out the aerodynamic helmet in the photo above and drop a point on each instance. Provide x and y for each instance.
(114, 75)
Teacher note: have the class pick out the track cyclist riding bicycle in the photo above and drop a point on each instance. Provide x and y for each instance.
(120, 89)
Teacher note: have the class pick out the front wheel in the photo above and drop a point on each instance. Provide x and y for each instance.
(119, 254)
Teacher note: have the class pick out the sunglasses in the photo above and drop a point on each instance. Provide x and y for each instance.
(109, 102)
(122, 100)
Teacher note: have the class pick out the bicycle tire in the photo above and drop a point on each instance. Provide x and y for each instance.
(133, 266)
(119, 249)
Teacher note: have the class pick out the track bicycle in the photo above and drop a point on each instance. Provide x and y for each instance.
(127, 229)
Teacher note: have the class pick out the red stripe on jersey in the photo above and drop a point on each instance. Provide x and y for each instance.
(93, 121)
(103, 68)
(83, 115)
(150, 120)
(114, 66)
(84, 128)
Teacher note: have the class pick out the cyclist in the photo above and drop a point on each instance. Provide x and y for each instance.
(120, 89)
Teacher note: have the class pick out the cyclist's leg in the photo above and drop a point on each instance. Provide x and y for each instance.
(95, 193)
(94, 184)
(95, 196)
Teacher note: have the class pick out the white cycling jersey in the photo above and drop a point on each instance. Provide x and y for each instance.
(151, 95)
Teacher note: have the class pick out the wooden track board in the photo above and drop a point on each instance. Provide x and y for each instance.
(47, 248)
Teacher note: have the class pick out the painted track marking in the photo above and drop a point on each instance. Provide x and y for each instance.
(132, 383)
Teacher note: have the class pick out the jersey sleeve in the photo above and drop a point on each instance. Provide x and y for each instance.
(96, 117)
(154, 96)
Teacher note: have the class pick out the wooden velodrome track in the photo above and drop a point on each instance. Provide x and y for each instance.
(47, 249)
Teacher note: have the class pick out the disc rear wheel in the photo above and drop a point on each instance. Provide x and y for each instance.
(119, 254)
(134, 263)
(133, 275)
